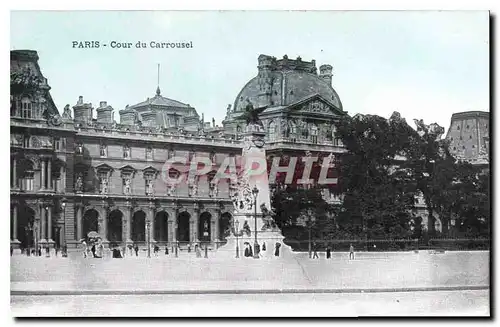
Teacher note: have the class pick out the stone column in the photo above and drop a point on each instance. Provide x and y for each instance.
(14, 172)
(62, 182)
(14, 222)
(79, 222)
(151, 218)
(49, 225)
(217, 221)
(213, 237)
(42, 237)
(42, 183)
(127, 230)
(171, 226)
(193, 228)
(49, 174)
(104, 222)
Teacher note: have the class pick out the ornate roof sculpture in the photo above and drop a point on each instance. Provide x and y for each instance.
(160, 111)
(282, 82)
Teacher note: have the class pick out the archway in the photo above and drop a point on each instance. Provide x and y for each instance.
(115, 227)
(204, 224)
(25, 226)
(161, 227)
(225, 224)
(139, 226)
(90, 222)
(183, 227)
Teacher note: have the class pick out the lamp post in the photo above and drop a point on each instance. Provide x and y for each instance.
(148, 226)
(309, 225)
(236, 232)
(63, 204)
(255, 193)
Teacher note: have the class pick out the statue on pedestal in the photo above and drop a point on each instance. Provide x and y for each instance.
(79, 183)
(150, 187)
(127, 187)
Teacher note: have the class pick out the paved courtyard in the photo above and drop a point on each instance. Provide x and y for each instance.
(379, 271)
(444, 303)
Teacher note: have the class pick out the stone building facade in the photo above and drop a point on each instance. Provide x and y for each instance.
(469, 136)
(81, 171)
(73, 173)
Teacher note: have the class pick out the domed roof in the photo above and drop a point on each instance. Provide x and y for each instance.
(284, 84)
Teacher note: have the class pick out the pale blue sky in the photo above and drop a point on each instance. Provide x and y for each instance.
(423, 64)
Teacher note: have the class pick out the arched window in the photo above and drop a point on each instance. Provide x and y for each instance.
(272, 131)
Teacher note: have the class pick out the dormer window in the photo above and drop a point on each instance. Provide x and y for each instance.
(26, 108)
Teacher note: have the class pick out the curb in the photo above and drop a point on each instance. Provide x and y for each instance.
(250, 291)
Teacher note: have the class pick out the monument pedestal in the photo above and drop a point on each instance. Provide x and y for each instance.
(252, 201)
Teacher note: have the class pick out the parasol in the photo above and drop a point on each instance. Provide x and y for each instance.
(93, 235)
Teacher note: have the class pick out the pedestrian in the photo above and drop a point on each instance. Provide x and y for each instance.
(328, 253)
(351, 252)
(39, 251)
(315, 253)
(277, 250)
(136, 249)
(197, 250)
(57, 250)
(156, 250)
(166, 249)
(93, 251)
(11, 250)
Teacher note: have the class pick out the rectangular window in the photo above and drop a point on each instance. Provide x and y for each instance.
(57, 144)
(29, 181)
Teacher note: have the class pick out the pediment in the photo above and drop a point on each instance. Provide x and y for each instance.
(103, 167)
(315, 105)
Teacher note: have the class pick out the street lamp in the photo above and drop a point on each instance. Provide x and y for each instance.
(63, 204)
(309, 224)
(236, 232)
(148, 226)
(255, 192)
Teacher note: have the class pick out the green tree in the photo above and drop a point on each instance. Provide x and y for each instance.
(291, 205)
(378, 190)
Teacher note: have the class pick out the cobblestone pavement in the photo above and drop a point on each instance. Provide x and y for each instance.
(447, 303)
(188, 273)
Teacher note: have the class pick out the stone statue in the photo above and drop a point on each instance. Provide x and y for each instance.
(79, 182)
(103, 150)
(127, 190)
(267, 217)
(79, 148)
(150, 188)
(104, 186)
(228, 109)
(170, 189)
(251, 114)
(67, 112)
(126, 152)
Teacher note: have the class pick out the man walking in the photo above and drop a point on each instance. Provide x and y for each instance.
(351, 252)
(315, 253)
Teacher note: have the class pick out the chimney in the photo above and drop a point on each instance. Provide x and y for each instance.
(127, 116)
(325, 72)
(104, 113)
(82, 111)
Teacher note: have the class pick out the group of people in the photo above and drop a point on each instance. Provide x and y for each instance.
(329, 252)
(28, 251)
(261, 252)
(94, 249)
